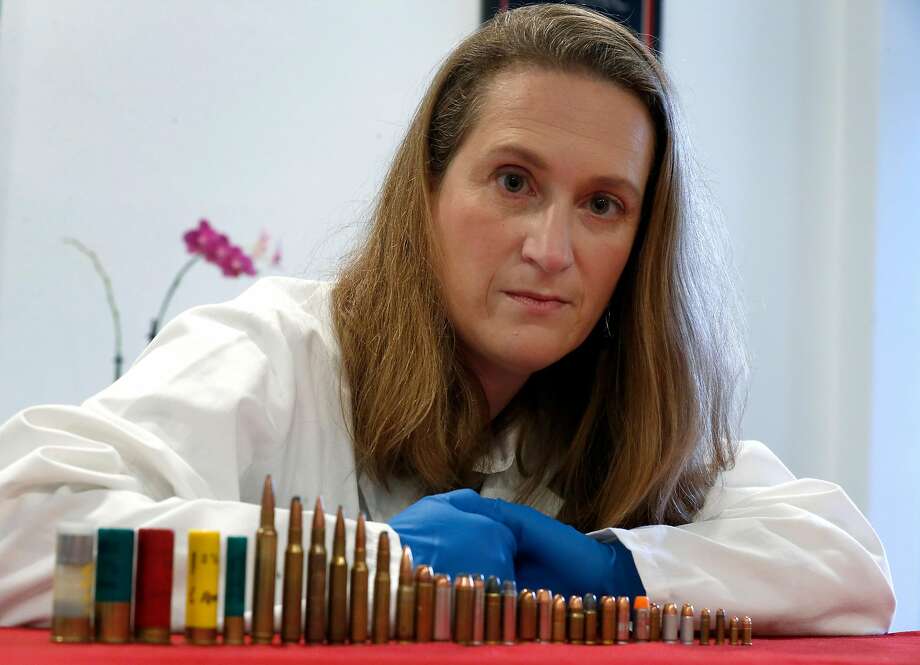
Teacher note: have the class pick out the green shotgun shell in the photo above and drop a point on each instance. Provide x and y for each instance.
(114, 581)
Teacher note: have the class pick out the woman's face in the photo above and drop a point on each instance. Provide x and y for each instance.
(536, 214)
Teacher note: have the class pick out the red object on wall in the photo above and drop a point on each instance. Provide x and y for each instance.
(32, 646)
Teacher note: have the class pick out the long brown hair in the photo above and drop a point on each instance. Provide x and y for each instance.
(632, 427)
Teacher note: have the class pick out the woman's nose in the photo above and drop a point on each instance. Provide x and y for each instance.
(548, 240)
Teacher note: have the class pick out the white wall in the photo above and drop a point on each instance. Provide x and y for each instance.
(123, 123)
(805, 117)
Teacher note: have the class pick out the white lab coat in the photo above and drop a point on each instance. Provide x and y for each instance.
(228, 393)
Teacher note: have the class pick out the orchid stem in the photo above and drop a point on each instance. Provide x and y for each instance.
(155, 324)
(109, 296)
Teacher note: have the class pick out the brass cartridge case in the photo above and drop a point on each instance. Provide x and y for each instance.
(576, 620)
(686, 624)
(720, 626)
(670, 623)
(733, 630)
(509, 612)
(654, 623)
(641, 619)
(705, 623)
(315, 628)
(544, 615)
(113, 622)
(263, 581)
(380, 633)
(493, 611)
(463, 609)
(559, 618)
(747, 631)
(442, 608)
(479, 609)
(623, 620)
(527, 616)
(338, 584)
(357, 621)
(292, 585)
(589, 601)
(405, 598)
(424, 603)
(608, 619)
(234, 630)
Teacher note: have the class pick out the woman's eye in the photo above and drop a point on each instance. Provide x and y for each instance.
(513, 182)
(601, 205)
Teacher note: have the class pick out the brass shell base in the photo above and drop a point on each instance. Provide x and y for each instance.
(202, 636)
(234, 630)
(113, 623)
(71, 629)
(152, 635)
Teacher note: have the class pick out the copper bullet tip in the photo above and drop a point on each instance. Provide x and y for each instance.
(267, 517)
(543, 595)
(670, 608)
(360, 540)
(338, 540)
(424, 574)
(608, 603)
(559, 601)
(746, 621)
(406, 576)
(705, 612)
(575, 604)
(464, 581)
(442, 582)
(687, 610)
(295, 522)
(383, 552)
(720, 612)
(318, 531)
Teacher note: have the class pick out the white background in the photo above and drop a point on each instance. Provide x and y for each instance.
(123, 123)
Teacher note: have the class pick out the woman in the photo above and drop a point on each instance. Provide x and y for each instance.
(535, 341)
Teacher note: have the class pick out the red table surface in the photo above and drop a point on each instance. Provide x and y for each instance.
(23, 645)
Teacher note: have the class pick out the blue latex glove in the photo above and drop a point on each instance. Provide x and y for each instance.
(555, 556)
(453, 541)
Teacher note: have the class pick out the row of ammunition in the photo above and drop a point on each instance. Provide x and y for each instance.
(429, 607)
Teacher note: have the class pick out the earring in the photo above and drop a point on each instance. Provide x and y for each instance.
(607, 333)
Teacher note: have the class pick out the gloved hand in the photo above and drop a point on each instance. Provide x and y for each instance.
(454, 541)
(555, 556)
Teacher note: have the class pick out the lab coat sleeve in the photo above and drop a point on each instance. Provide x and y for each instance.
(794, 554)
(165, 446)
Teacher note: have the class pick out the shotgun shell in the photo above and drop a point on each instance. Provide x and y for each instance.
(235, 590)
(747, 631)
(509, 612)
(72, 608)
(623, 620)
(493, 611)
(263, 580)
(338, 584)
(559, 611)
(544, 615)
(315, 621)
(527, 616)
(292, 585)
(154, 581)
(733, 628)
(442, 617)
(380, 633)
(424, 603)
(720, 626)
(405, 598)
(576, 620)
(114, 572)
(463, 609)
(589, 601)
(654, 623)
(705, 623)
(641, 619)
(608, 619)
(201, 587)
(669, 623)
(686, 624)
(357, 620)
